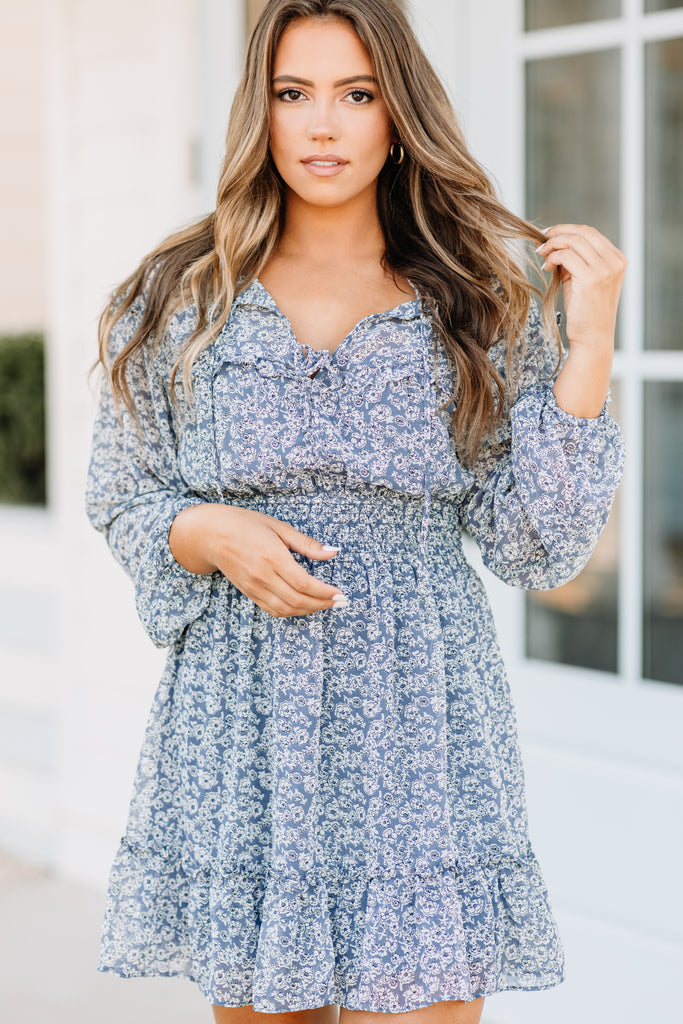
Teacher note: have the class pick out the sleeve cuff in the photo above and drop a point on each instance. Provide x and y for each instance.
(538, 422)
(168, 596)
(566, 468)
(567, 418)
(164, 527)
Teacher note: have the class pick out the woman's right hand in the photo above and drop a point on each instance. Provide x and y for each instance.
(253, 550)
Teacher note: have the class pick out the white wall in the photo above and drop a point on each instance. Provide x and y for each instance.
(22, 168)
(124, 133)
(77, 673)
(27, 740)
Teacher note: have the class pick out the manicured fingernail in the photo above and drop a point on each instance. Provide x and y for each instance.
(544, 231)
(539, 247)
(328, 547)
(340, 600)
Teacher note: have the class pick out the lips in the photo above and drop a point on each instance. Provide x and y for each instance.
(325, 165)
(324, 160)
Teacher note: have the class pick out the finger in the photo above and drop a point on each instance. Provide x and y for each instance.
(301, 542)
(274, 560)
(567, 259)
(600, 242)
(276, 596)
(288, 600)
(285, 536)
(279, 609)
(296, 577)
(582, 246)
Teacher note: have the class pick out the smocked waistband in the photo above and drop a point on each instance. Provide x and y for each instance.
(357, 515)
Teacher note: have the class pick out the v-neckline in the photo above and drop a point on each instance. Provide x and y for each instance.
(305, 349)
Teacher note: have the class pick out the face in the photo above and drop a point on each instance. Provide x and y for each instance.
(330, 131)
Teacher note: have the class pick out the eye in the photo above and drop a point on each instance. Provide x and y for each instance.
(285, 92)
(363, 94)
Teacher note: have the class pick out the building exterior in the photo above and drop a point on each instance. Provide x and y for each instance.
(114, 140)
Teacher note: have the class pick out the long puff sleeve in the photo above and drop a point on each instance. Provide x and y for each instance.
(134, 492)
(545, 483)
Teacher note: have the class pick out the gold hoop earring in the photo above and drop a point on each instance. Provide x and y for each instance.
(392, 152)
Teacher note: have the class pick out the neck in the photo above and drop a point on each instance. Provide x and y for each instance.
(329, 235)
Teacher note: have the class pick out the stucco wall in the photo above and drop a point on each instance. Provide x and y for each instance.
(22, 167)
(76, 672)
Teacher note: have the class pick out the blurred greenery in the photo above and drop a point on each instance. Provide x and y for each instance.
(22, 419)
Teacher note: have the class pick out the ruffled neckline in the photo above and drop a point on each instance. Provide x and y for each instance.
(256, 294)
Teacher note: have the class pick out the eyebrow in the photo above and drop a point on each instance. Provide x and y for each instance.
(342, 81)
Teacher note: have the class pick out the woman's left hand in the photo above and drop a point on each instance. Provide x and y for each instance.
(592, 272)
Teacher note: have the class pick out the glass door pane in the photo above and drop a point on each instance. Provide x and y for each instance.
(572, 175)
(663, 532)
(664, 194)
(662, 5)
(553, 13)
(572, 141)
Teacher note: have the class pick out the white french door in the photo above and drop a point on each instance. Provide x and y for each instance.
(576, 109)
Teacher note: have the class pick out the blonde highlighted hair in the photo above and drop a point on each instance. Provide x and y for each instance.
(444, 226)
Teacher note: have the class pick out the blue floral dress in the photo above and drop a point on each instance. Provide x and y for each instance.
(330, 807)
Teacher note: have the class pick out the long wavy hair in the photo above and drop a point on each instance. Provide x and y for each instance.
(445, 229)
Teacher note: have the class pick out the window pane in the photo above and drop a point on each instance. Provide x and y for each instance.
(663, 194)
(663, 526)
(572, 142)
(577, 624)
(662, 5)
(553, 13)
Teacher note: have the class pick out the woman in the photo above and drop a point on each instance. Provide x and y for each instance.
(310, 394)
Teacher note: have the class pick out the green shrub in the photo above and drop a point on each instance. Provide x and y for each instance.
(22, 419)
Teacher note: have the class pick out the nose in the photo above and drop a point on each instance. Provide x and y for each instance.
(323, 121)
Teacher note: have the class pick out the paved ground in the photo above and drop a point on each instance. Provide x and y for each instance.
(49, 934)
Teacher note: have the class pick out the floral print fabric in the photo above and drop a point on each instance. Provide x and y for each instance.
(331, 807)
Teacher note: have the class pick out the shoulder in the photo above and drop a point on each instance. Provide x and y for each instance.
(158, 351)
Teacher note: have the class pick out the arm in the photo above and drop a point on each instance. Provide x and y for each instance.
(135, 491)
(545, 484)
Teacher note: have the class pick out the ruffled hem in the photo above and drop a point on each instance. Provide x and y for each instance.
(284, 942)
